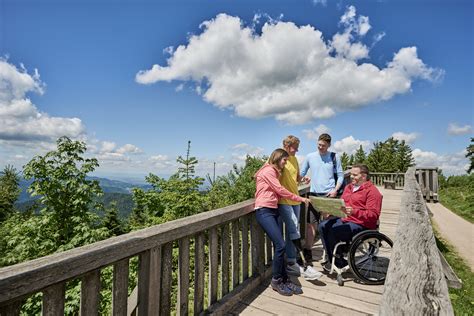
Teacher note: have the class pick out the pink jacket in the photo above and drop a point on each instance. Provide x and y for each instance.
(366, 204)
(269, 190)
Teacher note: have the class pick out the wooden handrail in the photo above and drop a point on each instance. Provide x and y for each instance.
(415, 283)
(232, 231)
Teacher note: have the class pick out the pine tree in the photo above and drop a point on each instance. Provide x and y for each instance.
(375, 159)
(9, 191)
(404, 157)
(112, 221)
(470, 155)
(345, 161)
(360, 157)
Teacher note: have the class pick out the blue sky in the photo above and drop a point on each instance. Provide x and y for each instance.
(234, 77)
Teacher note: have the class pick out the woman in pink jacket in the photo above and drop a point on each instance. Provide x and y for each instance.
(268, 192)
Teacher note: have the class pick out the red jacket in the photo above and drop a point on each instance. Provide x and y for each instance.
(269, 190)
(366, 204)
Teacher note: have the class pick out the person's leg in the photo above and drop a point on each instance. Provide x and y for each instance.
(290, 216)
(324, 228)
(341, 231)
(268, 219)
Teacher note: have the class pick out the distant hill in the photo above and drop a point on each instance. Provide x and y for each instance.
(114, 190)
(107, 185)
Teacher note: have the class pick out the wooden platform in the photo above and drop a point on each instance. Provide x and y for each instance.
(324, 296)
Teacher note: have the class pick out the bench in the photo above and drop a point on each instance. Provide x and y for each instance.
(389, 184)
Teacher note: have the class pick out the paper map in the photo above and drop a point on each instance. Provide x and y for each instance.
(328, 205)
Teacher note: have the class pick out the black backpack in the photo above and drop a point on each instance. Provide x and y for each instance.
(341, 189)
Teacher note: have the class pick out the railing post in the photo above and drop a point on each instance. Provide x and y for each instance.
(213, 264)
(183, 276)
(199, 274)
(11, 309)
(120, 288)
(90, 288)
(225, 246)
(53, 300)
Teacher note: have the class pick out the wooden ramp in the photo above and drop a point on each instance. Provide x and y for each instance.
(324, 296)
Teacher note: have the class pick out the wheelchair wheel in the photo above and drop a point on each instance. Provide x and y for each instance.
(369, 257)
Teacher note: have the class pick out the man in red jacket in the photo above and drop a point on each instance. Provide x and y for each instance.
(363, 205)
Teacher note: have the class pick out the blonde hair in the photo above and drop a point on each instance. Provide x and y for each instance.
(276, 156)
(290, 140)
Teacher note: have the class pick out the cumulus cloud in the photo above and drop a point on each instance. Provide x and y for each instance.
(455, 129)
(407, 137)
(20, 119)
(350, 145)
(315, 132)
(287, 71)
(129, 149)
(450, 164)
(240, 151)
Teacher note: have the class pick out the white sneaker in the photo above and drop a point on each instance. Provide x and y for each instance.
(310, 274)
(293, 269)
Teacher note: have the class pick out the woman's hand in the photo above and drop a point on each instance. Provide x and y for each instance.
(305, 180)
(306, 202)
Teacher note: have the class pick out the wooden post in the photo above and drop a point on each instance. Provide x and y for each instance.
(235, 253)
(90, 288)
(53, 300)
(199, 274)
(225, 256)
(213, 264)
(120, 288)
(183, 276)
(166, 279)
(244, 222)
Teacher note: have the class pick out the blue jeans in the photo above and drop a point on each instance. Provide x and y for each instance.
(268, 219)
(334, 230)
(290, 214)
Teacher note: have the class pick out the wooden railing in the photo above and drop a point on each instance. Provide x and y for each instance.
(428, 180)
(229, 247)
(378, 178)
(415, 283)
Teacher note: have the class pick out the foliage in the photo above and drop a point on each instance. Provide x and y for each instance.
(360, 157)
(391, 155)
(470, 155)
(238, 185)
(461, 299)
(345, 161)
(457, 194)
(59, 179)
(170, 199)
(9, 191)
(112, 221)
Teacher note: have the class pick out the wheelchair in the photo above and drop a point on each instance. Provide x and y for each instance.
(368, 257)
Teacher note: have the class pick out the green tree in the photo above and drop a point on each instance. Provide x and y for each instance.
(360, 157)
(9, 191)
(470, 155)
(404, 157)
(237, 186)
(345, 161)
(375, 159)
(67, 198)
(112, 221)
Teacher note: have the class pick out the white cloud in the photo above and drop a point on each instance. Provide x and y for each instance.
(450, 164)
(108, 146)
(160, 158)
(350, 145)
(286, 71)
(315, 132)
(455, 129)
(129, 149)
(20, 119)
(407, 137)
(321, 2)
(240, 151)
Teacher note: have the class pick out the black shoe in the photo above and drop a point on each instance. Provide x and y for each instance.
(326, 266)
(340, 263)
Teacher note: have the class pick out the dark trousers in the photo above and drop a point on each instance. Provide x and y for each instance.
(334, 230)
(268, 219)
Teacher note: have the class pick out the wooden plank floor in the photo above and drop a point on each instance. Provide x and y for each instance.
(324, 296)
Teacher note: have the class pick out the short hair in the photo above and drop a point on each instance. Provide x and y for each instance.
(325, 137)
(291, 140)
(276, 156)
(363, 169)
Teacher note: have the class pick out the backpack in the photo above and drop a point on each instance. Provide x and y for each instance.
(343, 185)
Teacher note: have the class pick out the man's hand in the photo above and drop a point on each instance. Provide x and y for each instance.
(346, 210)
(332, 194)
(305, 180)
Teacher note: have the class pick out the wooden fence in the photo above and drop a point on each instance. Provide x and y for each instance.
(415, 283)
(230, 248)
